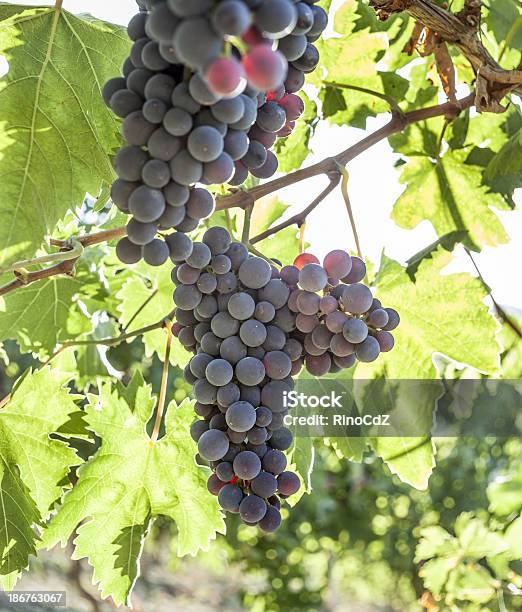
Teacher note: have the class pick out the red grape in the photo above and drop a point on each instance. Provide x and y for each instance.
(385, 340)
(297, 366)
(267, 139)
(305, 258)
(265, 68)
(338, 264)
(328, 304)
(224, 76)
(318, 366)
(293, 105)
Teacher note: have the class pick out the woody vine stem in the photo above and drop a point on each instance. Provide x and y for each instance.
(64, 261)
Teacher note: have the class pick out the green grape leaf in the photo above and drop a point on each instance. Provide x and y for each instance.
(507, 163)
(351, 59)
(130, 481)
(19, 515)
(56, 134)
(293, 150)
(265, 214)
(143, 300)
(302, 458)
(435, 542)
(439, 314)
(422, 137)
(43, 314)
(505, 20)
(398, 28)
(284, 245)
(471, 583)
(451, 195)
(349, 448)
(33, 466)
(435, 574)
(435, 312)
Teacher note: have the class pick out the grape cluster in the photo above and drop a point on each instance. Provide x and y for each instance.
(338, 321)
(198, 110)
(232, 313)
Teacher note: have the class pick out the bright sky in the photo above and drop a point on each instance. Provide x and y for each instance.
(374, 187)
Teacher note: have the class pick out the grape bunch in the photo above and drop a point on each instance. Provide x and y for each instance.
(232, 314)
(207, 89)
(338, 321)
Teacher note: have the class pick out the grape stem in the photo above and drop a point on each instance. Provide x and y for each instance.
(302, 244)
(348, 203)
(247, 222)
(300, 218)
(163, 389)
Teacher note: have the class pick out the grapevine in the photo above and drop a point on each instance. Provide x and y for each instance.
(162, 306)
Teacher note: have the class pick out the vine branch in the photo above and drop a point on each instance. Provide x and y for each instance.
(243, 198)
(462, 31)
(66, 261)
(165, 322)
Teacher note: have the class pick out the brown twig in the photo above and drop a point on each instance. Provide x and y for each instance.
(500, 311)
(300, 218)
